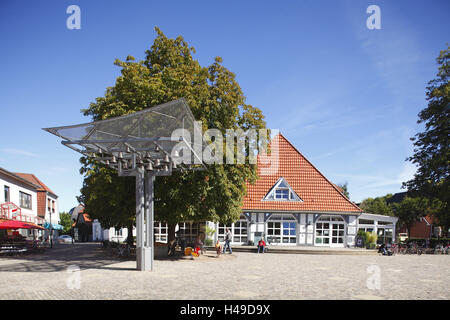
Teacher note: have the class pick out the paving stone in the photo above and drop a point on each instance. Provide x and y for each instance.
(242, 275)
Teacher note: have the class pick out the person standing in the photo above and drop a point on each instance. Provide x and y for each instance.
(227, 241)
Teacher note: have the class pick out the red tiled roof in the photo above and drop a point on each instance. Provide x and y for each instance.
(33, 179)
(316, 191)
(430, 219)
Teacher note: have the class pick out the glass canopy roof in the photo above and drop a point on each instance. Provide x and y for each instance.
(138, 139)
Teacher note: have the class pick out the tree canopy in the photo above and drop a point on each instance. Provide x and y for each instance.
(65, 219)
(431, 147)
(169, 72)
(377, 205)
(344, 187)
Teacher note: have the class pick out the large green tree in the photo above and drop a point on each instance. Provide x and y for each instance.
(377, 205)
(410, 210)
(169, 72)
(65, 219)
(432, 146)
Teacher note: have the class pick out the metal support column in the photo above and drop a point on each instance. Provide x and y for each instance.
(149, 217)
(140, 195)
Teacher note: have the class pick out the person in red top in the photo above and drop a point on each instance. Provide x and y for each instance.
(261, 245)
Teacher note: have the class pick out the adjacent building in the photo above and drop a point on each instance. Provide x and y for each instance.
(25, 193)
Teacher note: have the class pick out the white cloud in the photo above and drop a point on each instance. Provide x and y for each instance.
(19, 152)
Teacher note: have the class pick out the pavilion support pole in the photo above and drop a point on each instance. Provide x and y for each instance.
(140, 195)
(149, 218)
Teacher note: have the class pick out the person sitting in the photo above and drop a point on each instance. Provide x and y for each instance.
(218, 248)
(383, 250)
(198, 245)
(261, 245)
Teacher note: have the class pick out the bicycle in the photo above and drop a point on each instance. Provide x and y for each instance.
(441, 249)
(123, 251)
(394, 249)
(173, 247)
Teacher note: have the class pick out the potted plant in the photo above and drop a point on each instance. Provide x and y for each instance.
(371, 240)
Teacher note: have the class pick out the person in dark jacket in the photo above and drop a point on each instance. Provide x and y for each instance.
(227, 241)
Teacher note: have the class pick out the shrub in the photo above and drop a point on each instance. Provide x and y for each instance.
(372, 237)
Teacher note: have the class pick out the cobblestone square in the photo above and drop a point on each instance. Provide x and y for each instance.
(242, 275)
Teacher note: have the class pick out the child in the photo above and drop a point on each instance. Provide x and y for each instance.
(218, 248)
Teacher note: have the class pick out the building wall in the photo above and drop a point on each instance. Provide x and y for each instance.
(15, 187)
(420, 229)
(51, 210)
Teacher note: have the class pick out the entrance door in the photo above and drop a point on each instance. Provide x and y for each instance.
(330, 231)
(337, 234)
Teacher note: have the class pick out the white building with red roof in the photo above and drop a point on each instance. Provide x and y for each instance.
(26, 194)
(293, 203)
(47, 200)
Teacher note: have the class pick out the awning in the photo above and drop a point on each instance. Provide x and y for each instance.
(16, 224)
(54, 226)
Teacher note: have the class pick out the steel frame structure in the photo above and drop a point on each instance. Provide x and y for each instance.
(133, 146)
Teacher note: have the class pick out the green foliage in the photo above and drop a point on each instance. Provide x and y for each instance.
(363, 234)
(210, 231)
(169, 72)
(371, 237)
(409, 210)
(65, 219)
(432, 147)
(344, 188)
(377, 206)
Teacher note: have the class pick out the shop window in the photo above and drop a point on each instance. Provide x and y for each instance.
(238, 230)
(189, 231)
(282, 229)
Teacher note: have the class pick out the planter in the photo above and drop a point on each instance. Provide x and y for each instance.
(161, 250)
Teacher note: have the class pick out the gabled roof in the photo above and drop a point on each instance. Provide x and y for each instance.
(34, 180)
(16, 177)
(316, 191)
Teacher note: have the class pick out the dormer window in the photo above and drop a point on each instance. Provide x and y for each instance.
(282, 191)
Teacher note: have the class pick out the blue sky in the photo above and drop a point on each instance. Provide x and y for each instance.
(347, 97)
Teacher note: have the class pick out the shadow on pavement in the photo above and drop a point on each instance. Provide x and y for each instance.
(60, 257)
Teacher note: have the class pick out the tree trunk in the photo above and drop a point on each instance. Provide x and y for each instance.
(130, 240)
(171, 232)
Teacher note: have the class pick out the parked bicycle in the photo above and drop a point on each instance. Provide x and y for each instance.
(441, 249)
(394, 249)
(173, 247)
(413, 248)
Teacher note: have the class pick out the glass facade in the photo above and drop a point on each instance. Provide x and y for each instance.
(330, 230)
(281, 229)
(238, 230)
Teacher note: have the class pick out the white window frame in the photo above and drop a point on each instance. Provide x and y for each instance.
(237, 237)
(187, 230)
(160, 230)
(23, 200)
(271, 229)
(335, 230)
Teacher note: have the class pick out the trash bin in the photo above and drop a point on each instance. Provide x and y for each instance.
(359, 242)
